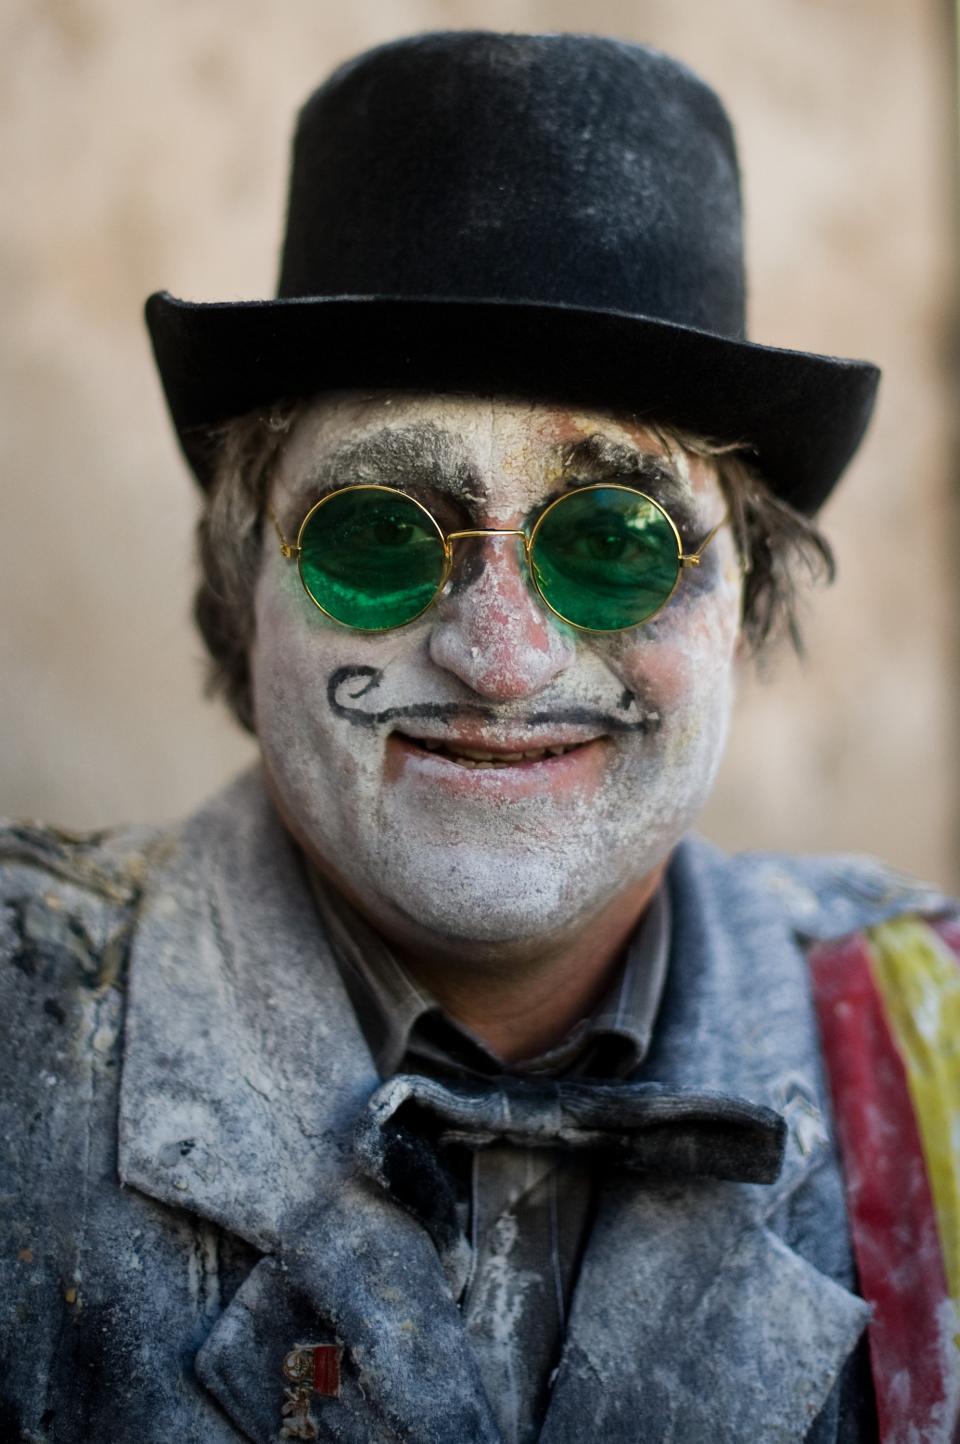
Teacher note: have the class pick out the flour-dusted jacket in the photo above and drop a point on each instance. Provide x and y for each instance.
(181, 1080)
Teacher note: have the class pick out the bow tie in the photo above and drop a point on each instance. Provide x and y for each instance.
(644, 1127)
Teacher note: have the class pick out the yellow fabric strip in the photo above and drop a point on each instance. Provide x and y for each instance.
(919, 981)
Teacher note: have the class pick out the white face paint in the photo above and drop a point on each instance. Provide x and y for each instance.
(433, 851)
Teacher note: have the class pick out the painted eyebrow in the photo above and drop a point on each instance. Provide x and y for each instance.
(599, 458)
(419, 455)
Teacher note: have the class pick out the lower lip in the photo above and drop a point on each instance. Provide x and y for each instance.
(575, 771)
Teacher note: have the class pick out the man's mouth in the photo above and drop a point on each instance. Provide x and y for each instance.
(491, 756)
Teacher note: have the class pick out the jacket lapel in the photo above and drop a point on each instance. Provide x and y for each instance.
(362, 1275)
(244, 1066)
(244, 1073)
(693, 1318)
(694, 1322)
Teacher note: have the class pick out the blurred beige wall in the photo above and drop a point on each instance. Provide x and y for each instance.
(144, 146)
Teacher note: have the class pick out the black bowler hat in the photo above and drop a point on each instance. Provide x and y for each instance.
(554, 216)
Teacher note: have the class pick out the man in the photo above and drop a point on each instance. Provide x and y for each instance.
(432, 1084)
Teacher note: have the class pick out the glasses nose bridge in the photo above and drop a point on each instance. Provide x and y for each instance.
(488, 532)
(484, 531)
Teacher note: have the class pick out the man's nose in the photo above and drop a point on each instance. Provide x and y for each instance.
(491, 630)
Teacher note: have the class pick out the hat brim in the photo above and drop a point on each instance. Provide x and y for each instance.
(801, 415)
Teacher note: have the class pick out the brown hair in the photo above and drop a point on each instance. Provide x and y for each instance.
(778, 545)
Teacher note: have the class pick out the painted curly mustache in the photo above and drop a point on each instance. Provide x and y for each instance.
(346, 686)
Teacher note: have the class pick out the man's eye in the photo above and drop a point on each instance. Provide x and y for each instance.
(607, 539)
(380, 531)
(390, 533)
(612, 545)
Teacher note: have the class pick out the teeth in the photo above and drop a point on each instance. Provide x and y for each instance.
(475, 757)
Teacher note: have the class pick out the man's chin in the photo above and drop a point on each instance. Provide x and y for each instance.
(483, 899)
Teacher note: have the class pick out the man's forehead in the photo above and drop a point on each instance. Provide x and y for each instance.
(474, 446)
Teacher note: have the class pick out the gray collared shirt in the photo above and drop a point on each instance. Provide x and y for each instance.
(525, 1212)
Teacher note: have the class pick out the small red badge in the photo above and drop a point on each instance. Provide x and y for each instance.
(312, 1369)
(326, 1369)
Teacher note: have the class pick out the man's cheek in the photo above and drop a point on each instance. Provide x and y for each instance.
(686, 675)
(294, 724)
(661, 673)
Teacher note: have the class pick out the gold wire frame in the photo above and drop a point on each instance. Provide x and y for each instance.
(294, 550)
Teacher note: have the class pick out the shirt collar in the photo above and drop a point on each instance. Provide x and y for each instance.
(407, 1030)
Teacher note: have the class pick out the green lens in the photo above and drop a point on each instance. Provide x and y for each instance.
(371, 558)
(605, 558)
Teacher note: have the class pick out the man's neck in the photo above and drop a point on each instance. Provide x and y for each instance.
(522, 1006)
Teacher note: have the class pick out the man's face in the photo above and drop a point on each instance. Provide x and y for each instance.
(370, 740)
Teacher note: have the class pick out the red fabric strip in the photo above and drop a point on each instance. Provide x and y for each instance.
(890, 1205)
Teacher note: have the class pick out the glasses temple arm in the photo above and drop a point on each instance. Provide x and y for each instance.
(288, 549)
(692, 559)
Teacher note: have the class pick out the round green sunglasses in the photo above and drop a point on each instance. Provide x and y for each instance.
(602, 558)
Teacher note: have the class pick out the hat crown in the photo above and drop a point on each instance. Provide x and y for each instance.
(563, 169)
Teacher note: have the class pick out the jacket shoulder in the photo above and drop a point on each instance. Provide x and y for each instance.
(821, 895)
(63, 894)
(68, 904)
(109, 863)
